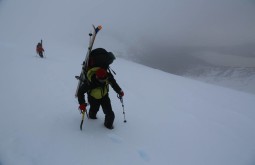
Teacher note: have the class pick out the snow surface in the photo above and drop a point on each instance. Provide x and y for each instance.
(170, 119)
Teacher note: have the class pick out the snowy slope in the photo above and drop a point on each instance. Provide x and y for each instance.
(170, 119)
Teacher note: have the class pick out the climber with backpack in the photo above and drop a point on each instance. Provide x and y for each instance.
(39, 49)
(96, 85)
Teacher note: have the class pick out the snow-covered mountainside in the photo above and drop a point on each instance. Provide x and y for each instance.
(170, 119)
(237, 78)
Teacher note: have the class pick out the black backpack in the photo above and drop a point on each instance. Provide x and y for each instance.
(99, 57)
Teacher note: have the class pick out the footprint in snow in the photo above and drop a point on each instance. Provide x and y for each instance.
(142, 154)
(115, 138)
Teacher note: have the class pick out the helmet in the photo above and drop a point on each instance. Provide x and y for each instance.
(101, 74)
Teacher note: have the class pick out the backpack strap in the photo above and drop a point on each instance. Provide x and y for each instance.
(91, 72)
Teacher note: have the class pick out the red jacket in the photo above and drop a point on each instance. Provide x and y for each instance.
(39, 49)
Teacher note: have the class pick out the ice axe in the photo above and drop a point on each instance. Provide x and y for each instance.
(82, 118)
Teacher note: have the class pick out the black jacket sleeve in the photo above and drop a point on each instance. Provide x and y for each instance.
(84, 88)
(114, 84)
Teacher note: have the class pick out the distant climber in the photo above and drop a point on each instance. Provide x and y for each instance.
(39, 49)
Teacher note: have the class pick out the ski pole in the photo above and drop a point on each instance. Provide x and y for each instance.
(124, 114)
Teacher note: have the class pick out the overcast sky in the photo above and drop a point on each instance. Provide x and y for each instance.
(177, 32)
(174, 35)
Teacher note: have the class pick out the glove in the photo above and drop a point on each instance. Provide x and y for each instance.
(82, 107)
(121, 93)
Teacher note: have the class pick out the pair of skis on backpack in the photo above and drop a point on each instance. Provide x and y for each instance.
(82, 76)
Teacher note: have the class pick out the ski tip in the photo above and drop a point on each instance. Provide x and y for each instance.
(99, 27)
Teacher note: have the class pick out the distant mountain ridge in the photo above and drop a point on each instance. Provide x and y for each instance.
(239, 78)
